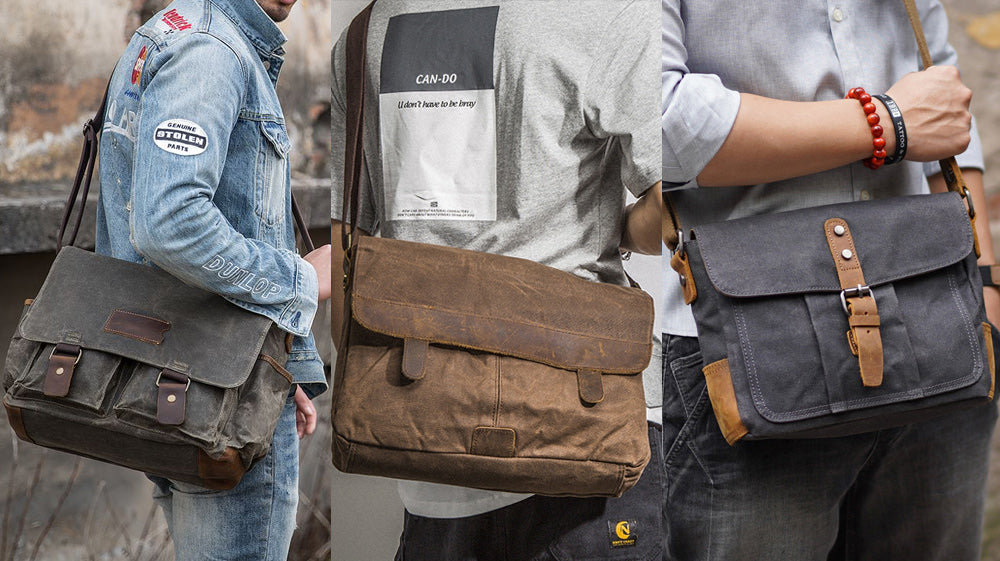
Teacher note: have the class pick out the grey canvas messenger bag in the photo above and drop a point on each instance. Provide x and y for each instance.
(126, 364)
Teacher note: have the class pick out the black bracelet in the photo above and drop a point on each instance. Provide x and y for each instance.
(897, 124)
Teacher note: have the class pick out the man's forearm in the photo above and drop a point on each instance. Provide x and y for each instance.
(641, 231)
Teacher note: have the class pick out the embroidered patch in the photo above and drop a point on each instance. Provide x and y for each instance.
(140, 61)
(181, 137)
(173, 21)
(622, 532)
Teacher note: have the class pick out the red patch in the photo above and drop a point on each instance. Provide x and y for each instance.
(140, 61)
(175, 21)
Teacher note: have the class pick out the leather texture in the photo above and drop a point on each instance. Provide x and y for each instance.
(490, 372)
(769, 303)
(167, 409)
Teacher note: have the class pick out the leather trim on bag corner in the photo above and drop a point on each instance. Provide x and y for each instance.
(277, 367)
(137, 326)
(680, 263)
(723, 397)
(865, 335)
(17, 422)
(499, 442)
(222, 473)
(991, 357)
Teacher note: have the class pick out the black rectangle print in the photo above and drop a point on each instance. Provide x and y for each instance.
(439, 51)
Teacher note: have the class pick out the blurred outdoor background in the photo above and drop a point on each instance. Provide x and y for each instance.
(55, 59)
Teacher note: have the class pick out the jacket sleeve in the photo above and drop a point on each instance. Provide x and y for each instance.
(188, 111)
(698, 110)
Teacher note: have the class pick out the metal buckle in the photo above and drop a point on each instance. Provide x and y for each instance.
(858, 291)
(968, 201)
(680, 242)
(160, 375)
(79, 353)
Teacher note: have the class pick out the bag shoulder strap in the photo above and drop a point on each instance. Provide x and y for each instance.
(85, 172)
(357, 39)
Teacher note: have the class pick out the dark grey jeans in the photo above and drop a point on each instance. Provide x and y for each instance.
(914, 492)
(539, 528)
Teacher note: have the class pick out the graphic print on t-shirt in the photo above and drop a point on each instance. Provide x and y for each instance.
(438, 116)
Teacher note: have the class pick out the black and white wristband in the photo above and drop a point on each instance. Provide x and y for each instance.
(898, 127)
(990, 275)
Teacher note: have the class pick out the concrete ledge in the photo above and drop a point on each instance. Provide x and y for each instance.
(30, 214)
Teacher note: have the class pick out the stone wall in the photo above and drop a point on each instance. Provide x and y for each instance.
(57, 57)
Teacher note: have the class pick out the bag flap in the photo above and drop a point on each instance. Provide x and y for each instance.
(504, 305)
(786, 253)
(147, 315)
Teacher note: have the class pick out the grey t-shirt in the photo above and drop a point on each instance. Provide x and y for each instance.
(508, 127)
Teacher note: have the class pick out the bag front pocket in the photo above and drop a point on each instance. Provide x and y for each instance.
(91, 379)
(206, 408)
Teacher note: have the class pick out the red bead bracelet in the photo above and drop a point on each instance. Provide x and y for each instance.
(878, 142)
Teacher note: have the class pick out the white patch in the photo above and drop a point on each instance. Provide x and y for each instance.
(181, 137)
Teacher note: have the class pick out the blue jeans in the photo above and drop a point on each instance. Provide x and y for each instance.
(915, 492)
(252, 521)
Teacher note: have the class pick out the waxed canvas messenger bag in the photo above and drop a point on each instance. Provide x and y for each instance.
(125, 363)
(839, 319)
(481, 370)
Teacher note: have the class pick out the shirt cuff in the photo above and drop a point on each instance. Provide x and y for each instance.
(696, 121)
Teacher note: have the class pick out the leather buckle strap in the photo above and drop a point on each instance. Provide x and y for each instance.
(864, 336)
(171, 397)
(59, 372)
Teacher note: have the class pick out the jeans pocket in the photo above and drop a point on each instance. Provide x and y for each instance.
(627, 528)
(685, 398)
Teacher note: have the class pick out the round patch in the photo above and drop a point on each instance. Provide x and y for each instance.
(181, 137)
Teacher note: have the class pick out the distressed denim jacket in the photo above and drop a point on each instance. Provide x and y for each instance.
(194, 165)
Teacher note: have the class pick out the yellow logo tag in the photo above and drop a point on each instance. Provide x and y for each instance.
(622, 532)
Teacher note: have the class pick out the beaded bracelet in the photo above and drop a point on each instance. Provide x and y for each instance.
(878, 154)
(897, 124)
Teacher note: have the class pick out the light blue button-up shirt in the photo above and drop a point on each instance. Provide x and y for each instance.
(795, 50)
(194, 165)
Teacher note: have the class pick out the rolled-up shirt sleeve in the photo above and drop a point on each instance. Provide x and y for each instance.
(698, 110)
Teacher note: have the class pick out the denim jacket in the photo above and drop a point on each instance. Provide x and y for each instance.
(194, 165)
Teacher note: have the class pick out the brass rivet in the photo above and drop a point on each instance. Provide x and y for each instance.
(171, 398)
(846, 254)
(60, 370)
(839, 230)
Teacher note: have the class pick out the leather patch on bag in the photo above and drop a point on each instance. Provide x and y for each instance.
(59, 371)
(171, 397)
(137, 326)
(723, 397)
(220, 473)
(494, 441)
(679, 262)
(17, 423)
(591, 386)
(414, 357)
(991, 357)
(623, 533)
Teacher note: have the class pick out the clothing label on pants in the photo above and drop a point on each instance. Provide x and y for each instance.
(437, 113)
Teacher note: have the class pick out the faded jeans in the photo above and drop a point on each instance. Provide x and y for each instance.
(915, 492)
(250, 522)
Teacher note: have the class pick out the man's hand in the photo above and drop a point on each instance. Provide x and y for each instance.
(319, 258)
(305, 413)
(935, 107)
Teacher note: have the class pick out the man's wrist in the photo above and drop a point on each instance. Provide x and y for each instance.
(895, 130)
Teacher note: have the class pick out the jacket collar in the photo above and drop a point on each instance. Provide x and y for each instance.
(255, 24)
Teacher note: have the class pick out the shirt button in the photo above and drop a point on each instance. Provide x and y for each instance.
(865, 195)
(838, 15)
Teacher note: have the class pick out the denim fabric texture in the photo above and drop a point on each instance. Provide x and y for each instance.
(252, 521)
(913, 492)
(628, 528)
(194, 165)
